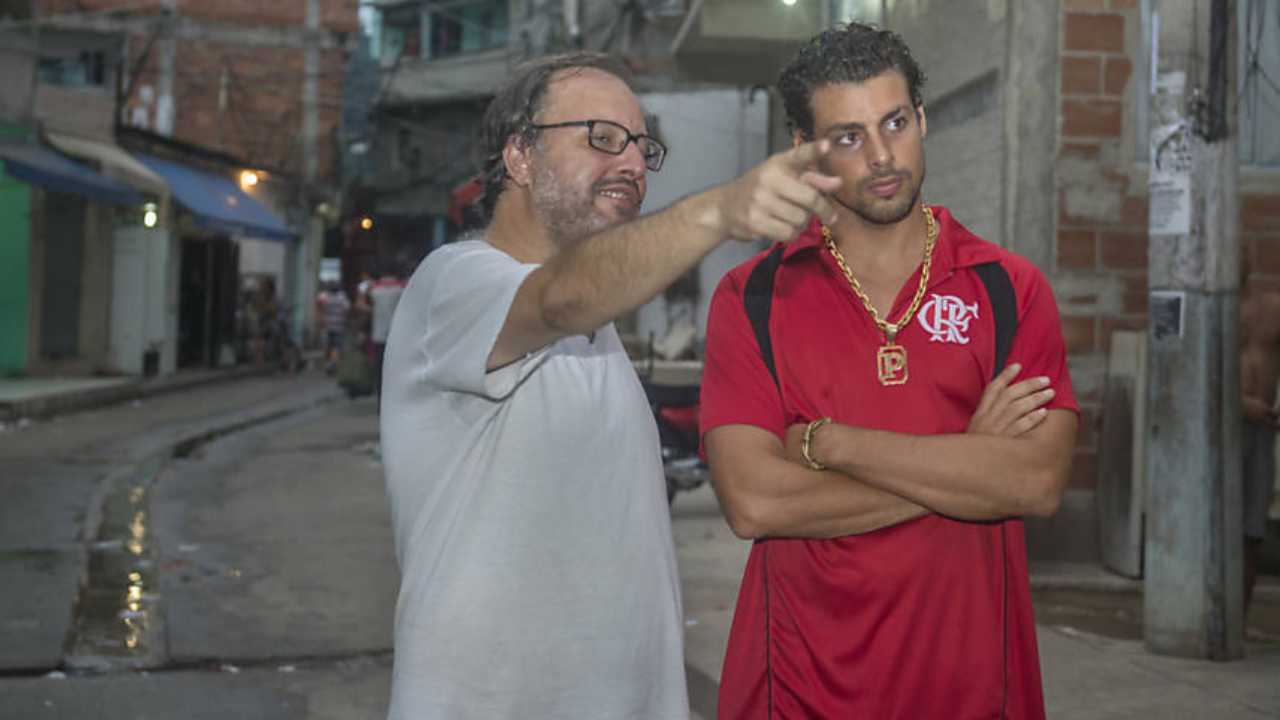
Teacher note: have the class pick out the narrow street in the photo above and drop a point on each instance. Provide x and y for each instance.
(246, 574)
(225, 552)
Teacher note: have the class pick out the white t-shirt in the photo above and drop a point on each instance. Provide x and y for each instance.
(538, 573)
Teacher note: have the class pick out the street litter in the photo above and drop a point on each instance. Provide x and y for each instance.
(56, 675)
(287, 668)
(229, 669)
(690, 622)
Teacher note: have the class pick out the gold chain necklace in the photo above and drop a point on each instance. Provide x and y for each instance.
(891, 358)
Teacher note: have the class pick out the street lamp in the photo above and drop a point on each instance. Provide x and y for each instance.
(366, 223)
(248, 179)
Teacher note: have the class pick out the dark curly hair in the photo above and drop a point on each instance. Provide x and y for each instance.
(516, 104)
(845, 53)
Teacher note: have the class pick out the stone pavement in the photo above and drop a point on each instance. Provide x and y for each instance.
(277, 580)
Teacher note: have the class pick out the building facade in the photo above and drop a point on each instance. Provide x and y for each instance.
(241, 92)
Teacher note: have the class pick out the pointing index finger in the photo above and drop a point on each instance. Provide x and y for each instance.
(806, 156)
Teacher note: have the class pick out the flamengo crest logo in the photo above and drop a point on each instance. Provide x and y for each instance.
(946, 318)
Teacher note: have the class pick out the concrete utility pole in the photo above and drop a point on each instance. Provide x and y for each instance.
(306, 256)
(166, 105)
(1193, 601)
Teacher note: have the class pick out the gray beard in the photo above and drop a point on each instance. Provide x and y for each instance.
(568, 219)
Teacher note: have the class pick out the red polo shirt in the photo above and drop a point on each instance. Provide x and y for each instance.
(930, 618)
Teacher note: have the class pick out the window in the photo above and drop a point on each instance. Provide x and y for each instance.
(1259, 41)
(467, 26)
(442, 29)
(85, 69)
(401, 33)
(1258, 83)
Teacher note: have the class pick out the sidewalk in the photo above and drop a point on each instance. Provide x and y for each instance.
(39, 398)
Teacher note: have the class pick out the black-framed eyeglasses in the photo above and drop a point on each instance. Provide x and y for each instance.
(611, 138)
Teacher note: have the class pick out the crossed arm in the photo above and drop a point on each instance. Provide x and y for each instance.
(1012, 460)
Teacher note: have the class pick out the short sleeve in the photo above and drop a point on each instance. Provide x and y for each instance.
(1038, 345)
(737, 388)
(469, 291)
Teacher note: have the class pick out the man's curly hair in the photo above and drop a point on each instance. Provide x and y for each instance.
(514, 108)
(845, 53)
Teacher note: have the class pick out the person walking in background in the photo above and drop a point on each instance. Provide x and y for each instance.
(1259, 373)
(384, 295)
(332, 311)
(538, 575)
(883, 468)
(264, 310)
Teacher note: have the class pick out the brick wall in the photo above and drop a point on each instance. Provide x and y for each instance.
(1101, 254)
(339, 15)
(243, 100)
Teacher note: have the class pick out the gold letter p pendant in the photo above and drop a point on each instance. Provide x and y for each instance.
(891, 362)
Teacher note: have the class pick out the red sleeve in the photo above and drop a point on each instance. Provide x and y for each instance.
(737, 388)
(1038, 345)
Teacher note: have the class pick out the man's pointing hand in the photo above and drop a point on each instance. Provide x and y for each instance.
(775, 199)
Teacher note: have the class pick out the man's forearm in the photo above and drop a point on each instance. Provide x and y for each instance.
(621, 268)
(966, 476)
(830, 504)
(765, 494)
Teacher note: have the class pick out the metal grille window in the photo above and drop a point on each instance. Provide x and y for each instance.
(466, 26)
(84, 69)
(1258, 78)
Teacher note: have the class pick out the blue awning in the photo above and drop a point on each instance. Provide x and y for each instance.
(217, 204)
(37, 165)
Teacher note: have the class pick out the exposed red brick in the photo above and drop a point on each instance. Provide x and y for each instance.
(1084, 470)
(1100, 32)
(1078, 334)
(1123, 250)
(1266, 257)
(1135, 294)
(1081, 75)
(1134, 211)
(1077, 249)
(1092, 118)
(1260, 213)
(1117, 75)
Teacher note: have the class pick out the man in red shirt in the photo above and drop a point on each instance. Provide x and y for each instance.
(883, 473)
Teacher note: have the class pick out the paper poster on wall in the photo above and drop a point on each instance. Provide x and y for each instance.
(1170, 183)
(1165, 313)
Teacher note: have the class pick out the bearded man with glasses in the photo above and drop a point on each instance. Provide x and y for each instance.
(538, 575)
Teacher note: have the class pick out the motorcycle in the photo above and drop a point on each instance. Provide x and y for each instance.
(675, 410)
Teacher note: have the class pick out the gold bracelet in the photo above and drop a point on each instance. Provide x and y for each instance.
(806, 444)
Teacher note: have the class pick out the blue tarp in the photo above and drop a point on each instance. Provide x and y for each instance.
(37, 165)
(217, 204)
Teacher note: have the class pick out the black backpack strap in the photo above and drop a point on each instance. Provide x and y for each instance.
(757, 300)
(1004, 305)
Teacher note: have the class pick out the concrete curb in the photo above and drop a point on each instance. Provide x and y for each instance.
(46, 406)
